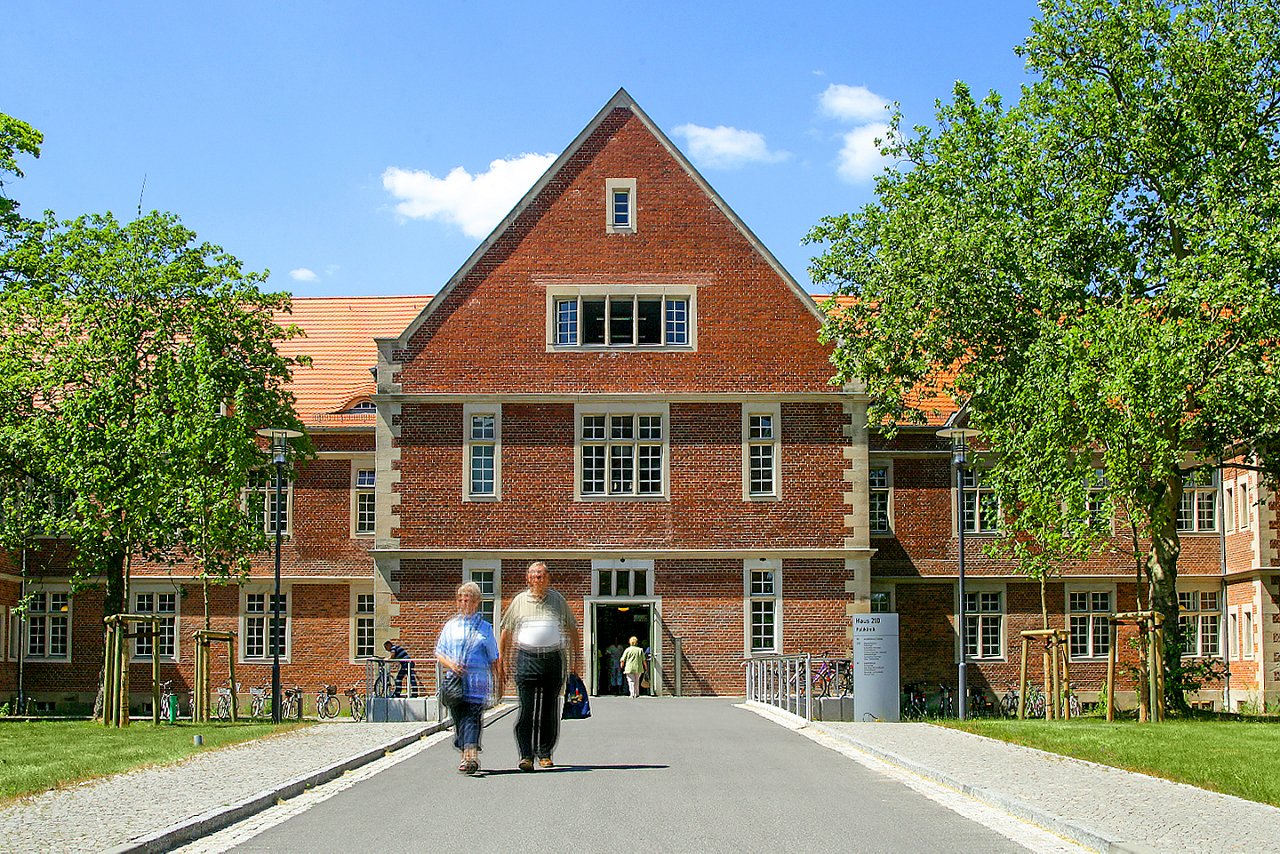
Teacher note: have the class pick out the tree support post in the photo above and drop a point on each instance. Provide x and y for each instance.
(1111, 669)
(1022, 682)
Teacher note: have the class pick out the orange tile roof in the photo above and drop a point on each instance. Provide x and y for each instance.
(339, 340)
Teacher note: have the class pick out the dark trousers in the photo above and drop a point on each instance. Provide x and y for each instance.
(467, 724)
(407, 670)
(539, 681)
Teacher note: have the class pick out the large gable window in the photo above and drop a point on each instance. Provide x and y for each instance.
(603, 317)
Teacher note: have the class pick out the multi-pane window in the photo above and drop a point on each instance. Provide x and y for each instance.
(1096, 501)
(49, 625)
(484, 438)
(165, 606)
(621, 320)
(622, 454)
(622, 582)
(620, 208)
(984, 624)
(1090, 623)
(762, 449)
(486, 580)
(980, 509)
(881, 602)
(1198, 507)
(878, 500)
(1198, 614)
(763, 599)
(260, 499)
(364, 647)
(366, 502)
(258, 614)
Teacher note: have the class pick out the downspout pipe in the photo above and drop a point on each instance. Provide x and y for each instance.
(22, 647)
(1224, 625)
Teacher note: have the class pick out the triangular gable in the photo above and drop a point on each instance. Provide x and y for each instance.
(624, 100)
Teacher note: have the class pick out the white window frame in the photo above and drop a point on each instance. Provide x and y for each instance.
(886, 491)
(1199, 614)
(575, 294)
(1229, 506)
(286, 654)
(359, 464)
(977, 473)
(48, 590)
(1092, 615)
(155, 591)
(1245, 520)
(1096, 493)
(773, 411)
(13, 634)
(620, 565)
(1193, 494)
(1248, 649)
(614, 185)
(981, 618)
(268, 493)
(477, 410)
(610, 410)
(749, 567)
(470, 566)
(356, 591)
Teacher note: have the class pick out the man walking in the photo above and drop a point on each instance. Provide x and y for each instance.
(544, 634)
(398, 653)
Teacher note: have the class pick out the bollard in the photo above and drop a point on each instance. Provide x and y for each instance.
(197, 740)
(172, 711)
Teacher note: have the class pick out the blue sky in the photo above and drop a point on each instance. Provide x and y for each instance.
(323, 141)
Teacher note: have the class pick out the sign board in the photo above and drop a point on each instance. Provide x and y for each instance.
(875, 667)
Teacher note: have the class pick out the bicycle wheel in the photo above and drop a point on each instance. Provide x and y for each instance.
(331, 706)
(357, 708)
(223, 710)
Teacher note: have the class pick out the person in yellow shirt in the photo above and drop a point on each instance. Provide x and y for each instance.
(634, 665)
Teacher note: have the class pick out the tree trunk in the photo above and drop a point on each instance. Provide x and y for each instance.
(204, 585)
(1044, 604)
(113, 601)
(1162, 569)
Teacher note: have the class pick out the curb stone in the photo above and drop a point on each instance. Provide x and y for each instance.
(216, 819)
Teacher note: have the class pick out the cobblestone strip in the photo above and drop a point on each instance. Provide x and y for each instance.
(145, 809)
(1098, 806)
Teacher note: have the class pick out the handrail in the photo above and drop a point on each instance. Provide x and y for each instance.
(782, 681)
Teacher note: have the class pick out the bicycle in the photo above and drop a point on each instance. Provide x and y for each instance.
(356, 700)
(259, 701)
(824, 677)
(327, 704)
(166, 697)
(1073, 703)
(915, 706)
(291, 704)
(1009, 703)
(1035, 702)
(979, 703)
(946, 702)
(222, 710)
(383, 680)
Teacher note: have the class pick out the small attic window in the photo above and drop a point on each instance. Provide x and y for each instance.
(365, 405)
(620, 205)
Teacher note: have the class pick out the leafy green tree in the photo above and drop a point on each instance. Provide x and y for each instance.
(1093, 270)
(16, 137)
(135, 365)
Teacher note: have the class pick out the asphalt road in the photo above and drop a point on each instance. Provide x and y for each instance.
(640, 775)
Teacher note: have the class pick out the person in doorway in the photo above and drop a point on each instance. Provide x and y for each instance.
(613, 666)
(398, 653)
(541, 631)
(468, 648)
(634, 666)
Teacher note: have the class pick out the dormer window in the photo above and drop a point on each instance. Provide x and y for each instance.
(600, 316)
(620, 205)
(363, 406)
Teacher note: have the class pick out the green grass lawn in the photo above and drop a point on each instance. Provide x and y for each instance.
(40, 755)
(1239, 758)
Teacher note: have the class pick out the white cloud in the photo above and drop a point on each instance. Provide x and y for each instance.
(859, 159)
(474, 203)
(723, 147)
(302, 274)
(852, 103)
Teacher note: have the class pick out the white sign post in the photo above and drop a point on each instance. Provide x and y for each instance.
(875, 667)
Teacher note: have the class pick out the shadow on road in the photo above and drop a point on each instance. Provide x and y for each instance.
(562, 769)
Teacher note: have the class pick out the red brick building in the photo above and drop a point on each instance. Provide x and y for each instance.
(622, 381)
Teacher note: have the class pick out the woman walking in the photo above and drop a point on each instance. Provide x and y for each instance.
(633, 665)
(468, 650)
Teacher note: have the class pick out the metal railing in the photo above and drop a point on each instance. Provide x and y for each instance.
(782, 681)
(402, 677)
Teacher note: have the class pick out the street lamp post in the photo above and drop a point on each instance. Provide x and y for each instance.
(959, 438)
(279, 456)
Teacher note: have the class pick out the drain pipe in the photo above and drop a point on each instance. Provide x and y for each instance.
(22, 596)
(1224, 625)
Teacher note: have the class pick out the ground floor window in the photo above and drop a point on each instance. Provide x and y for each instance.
(165, 606)
(1199, 613)
(882, 601)
(984, 624)
(256, 620)
(362, 626)
(1089, 615)
(763, 598)
(487, 575)
(49, 626)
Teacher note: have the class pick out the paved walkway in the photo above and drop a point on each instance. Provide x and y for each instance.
(1121, 810)
(106, 813)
